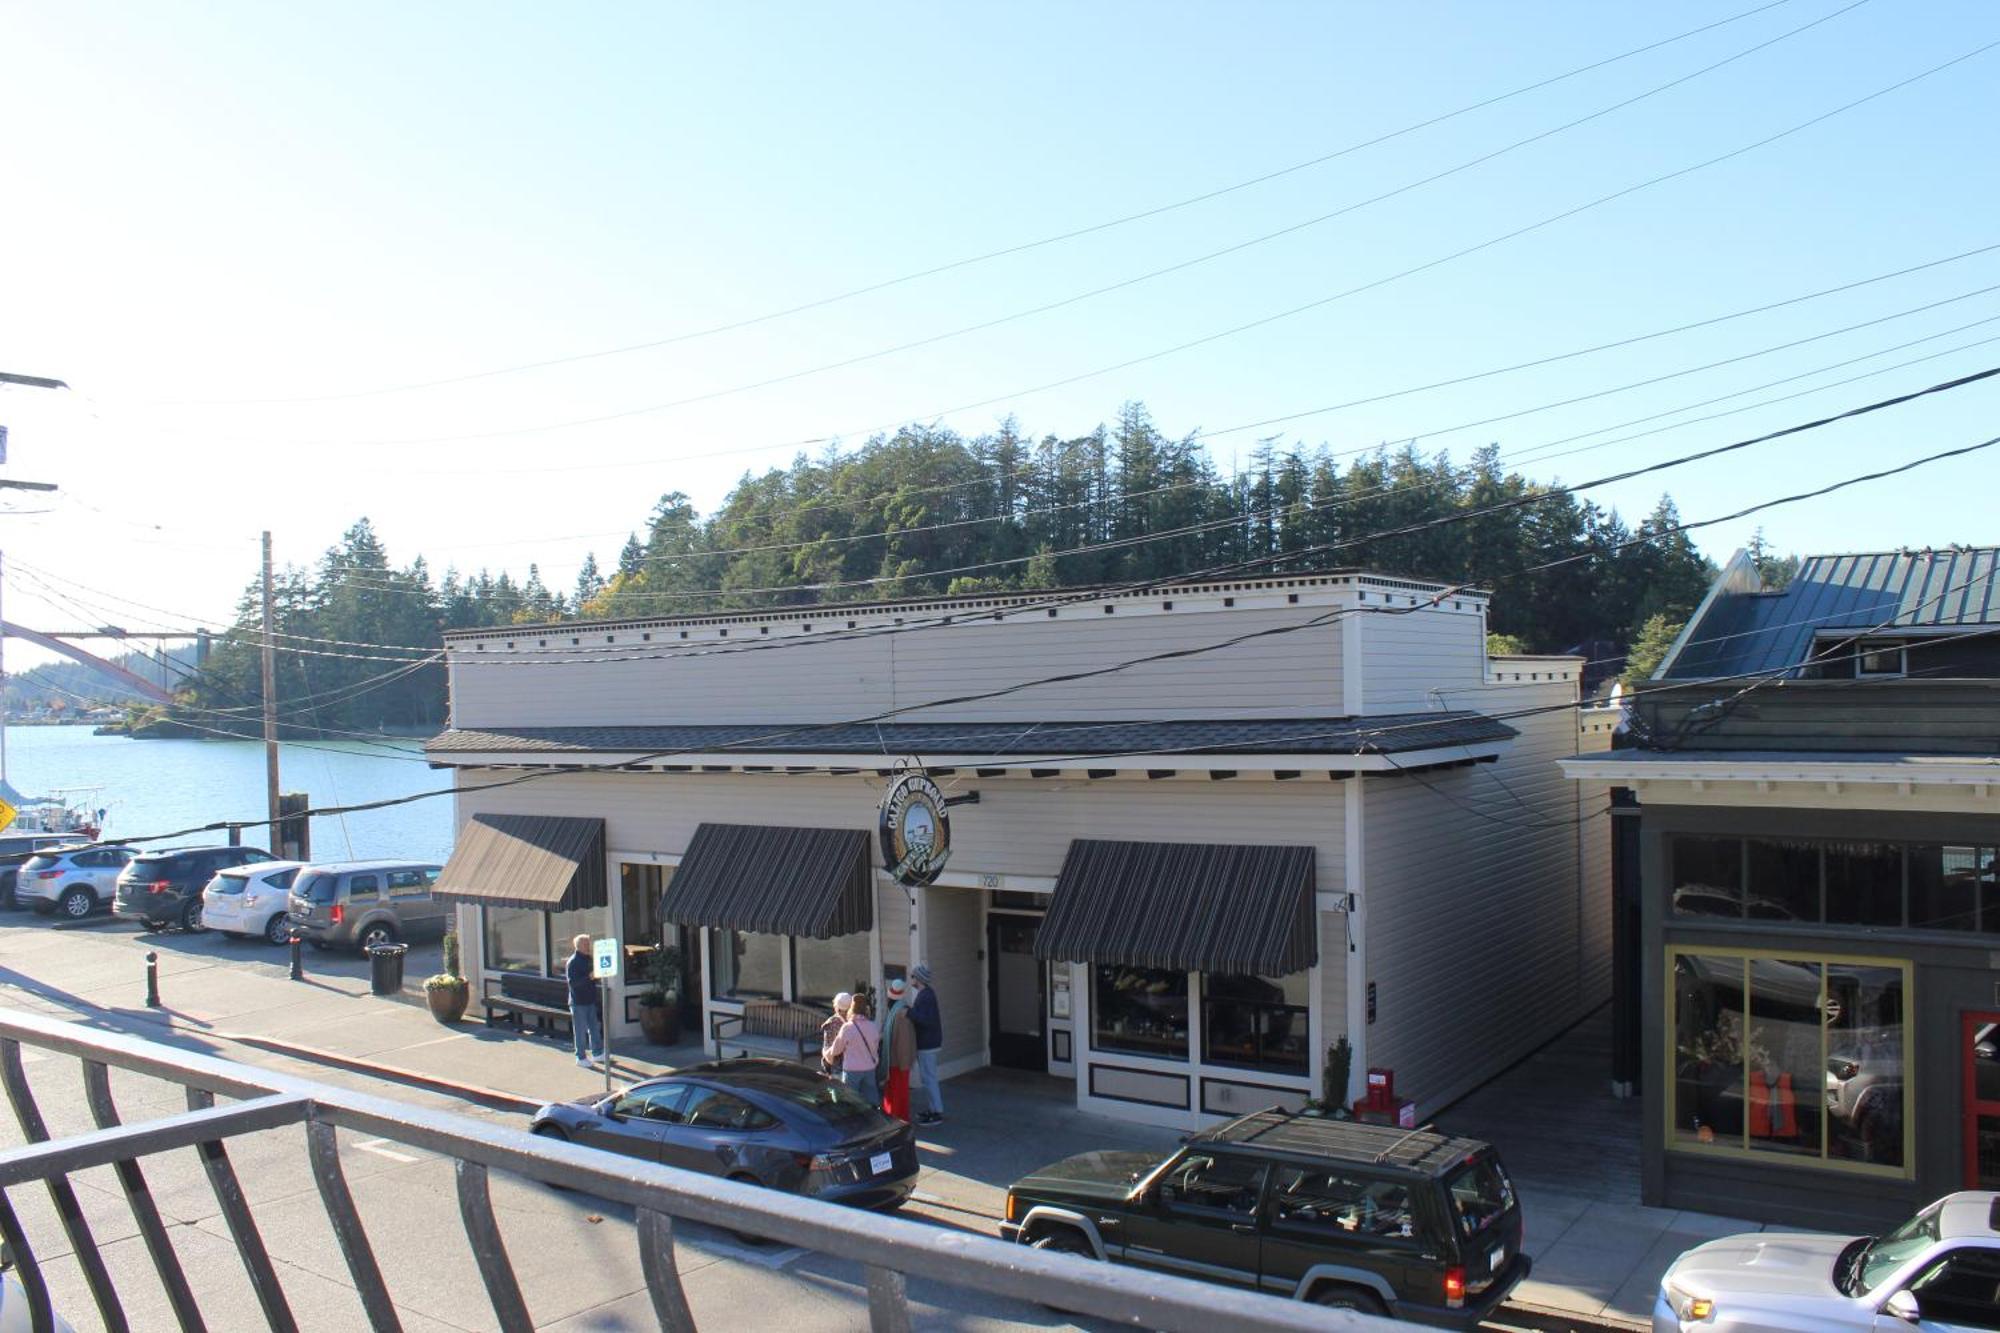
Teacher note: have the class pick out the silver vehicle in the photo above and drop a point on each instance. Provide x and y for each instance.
(1939, 1271)
(75, 883)
(362, 903)
(251, 900)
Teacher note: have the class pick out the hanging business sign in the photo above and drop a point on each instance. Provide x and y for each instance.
(915, 830)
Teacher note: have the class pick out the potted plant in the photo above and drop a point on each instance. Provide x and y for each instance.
(447, 992)
(660, 1006)
(1331, 1104)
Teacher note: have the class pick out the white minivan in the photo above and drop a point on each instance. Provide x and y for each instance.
(251, 900)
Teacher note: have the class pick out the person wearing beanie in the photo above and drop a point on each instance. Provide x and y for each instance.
(929, 1024)
(899, 1052)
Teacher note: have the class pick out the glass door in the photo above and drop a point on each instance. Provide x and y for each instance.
(1981, 1044)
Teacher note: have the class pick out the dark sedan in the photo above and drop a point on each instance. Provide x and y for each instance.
(759, 1121)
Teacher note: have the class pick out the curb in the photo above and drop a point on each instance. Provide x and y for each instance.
(492, 1098)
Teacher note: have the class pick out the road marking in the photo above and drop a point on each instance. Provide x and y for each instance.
(375, 1146)
(761, 1255)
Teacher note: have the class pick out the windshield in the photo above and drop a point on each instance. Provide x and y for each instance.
(316, 886)
(1480, 1195)
(832, 1102)
(1884, 1256)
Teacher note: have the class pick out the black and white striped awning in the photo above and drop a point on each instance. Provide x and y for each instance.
(815, 882)
(546, 863)
(1185, 906)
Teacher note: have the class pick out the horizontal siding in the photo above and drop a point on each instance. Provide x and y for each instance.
(1295, 673)
(952, 925)
(1405, 657)
(1333, 983)
(1478, 941)
(892, 924)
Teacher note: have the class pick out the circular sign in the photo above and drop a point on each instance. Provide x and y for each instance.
(915, 830)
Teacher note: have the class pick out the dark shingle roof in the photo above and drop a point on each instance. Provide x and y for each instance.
(1392, 733)
(1934, 590)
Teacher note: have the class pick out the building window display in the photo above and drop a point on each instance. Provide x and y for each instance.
(1801, 1058)
(513, 939)
(822, 969)
(1141, 1010)
(1255, 1022)
(1954, 888)
(640, 891)
(1869, 884)
(745, 966)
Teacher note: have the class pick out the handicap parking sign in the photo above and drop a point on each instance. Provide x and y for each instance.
(604, 959)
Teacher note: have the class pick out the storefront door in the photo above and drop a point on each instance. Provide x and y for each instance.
(1980, 1043)
(1015, 989)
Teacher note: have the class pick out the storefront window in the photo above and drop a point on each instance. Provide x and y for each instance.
(1952, 888)
(823, 968)
(1707, 876)
(1255, 1022)
(1801, 1057)
(1142, 1010)
(743, 965)
(1864, 883)
(640, 890)
(564, 927)
(1784, 880)
(513, 939)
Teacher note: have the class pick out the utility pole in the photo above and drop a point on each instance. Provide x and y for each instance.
(270, 700)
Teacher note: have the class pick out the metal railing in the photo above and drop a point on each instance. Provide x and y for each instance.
(890, 1250)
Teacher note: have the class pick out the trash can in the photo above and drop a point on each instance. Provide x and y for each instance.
(385, 968)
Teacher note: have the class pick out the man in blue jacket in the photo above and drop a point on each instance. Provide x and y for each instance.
(929, 1025)
(586, 1017)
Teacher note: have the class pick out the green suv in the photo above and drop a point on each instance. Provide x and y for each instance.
(1363, 1217)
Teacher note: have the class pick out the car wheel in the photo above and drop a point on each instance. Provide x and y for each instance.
(1349, 1298)
(191, 916)
(278, 930)
(1063, 1240)
(376, 934)
(76, 903)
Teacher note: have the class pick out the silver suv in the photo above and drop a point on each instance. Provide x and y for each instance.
(1938, 1271)
(362, 903)
(76, 883)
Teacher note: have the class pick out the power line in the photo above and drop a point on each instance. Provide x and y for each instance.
(1025, 246)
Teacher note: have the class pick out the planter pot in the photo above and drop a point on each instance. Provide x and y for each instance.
(448, 1002)
(661, 1023)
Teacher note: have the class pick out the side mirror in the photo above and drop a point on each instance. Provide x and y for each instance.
(1903, 1305)
(608, 1108)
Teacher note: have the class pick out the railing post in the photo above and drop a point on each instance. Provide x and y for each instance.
(888, 1301)
(152, 980)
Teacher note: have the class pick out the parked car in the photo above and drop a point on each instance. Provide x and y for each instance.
(761, 1121)
(251, 900)
(1939, 1270)
(1407, 1223)
(364, 903)
(16, 848)
(164, 887)
(76, 883)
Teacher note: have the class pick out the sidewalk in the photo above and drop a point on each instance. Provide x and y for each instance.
(1572, 1149)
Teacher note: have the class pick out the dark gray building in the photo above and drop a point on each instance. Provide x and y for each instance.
(1808, 836)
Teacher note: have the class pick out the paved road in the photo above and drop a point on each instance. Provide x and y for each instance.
(576, 1255)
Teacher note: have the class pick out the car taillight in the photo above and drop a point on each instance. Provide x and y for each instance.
(338, 912)
(1454, 1287)
(48, 874)
(160, 886)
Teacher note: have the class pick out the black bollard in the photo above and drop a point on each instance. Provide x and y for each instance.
(152, 980)
(298, 956)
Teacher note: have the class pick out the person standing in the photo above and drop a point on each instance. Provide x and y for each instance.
(586, 1016)
(899, 1052)
(857, 1049)
(830, 1029)
(928, 1021)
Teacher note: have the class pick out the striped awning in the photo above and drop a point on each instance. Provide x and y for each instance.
(815, 882)
(1185, 906)
(549, 863)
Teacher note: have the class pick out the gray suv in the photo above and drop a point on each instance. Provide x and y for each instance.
(362, 903)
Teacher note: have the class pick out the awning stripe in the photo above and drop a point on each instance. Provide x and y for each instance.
(816, 882)
(1185, 906)
(550, 863)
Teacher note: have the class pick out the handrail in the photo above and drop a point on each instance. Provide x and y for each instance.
(890, 1250)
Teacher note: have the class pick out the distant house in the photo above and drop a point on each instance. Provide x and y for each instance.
(1813, 817)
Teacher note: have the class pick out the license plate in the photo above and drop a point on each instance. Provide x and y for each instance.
(1498, 1259)
(879, 1164)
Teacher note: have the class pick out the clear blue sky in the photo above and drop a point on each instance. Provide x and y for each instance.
(210, 204)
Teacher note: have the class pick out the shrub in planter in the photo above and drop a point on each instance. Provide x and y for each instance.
(447, 992)
(660, 1006)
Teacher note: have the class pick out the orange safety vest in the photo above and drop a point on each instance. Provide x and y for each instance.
(1764, 1099)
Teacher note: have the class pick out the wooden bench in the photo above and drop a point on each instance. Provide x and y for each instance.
(768, 1027)
(515, 997)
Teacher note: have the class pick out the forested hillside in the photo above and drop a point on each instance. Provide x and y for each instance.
(928, 511)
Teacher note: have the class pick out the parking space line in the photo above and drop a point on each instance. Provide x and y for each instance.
(376, 1146)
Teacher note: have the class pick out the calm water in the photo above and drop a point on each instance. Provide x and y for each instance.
(153, 787)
